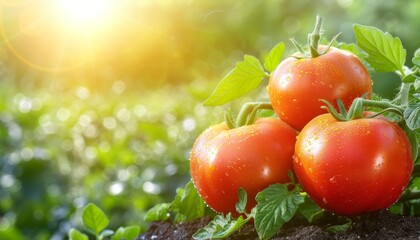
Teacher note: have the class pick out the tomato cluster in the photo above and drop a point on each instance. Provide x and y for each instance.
(348, 167)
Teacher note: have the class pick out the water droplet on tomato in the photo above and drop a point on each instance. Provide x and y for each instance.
(324, 200)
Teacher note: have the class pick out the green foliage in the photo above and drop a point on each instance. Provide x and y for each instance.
(245, 77)
(94, 218)
(223, 226)
(412, 113)
(386, 53)
(220, 227)
(342, 227)
(95, 221)
(276, 206)
(274, 57)
(186, 206)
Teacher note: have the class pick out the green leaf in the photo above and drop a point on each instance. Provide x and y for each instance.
(127, 233)
(106, 233)
(276, 206)
(159, 212)
(340, 228)
(94, 218)
(191, 205)
(220, 227)
(310, 210)
(386, 53)
(416, 61)
(273, 59)
(245, 77)
(76, 235)
(241, 204)
(410, 78)
(412, 115)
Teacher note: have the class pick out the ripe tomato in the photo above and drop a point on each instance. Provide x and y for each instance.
(353, 167)
(297, 85)
(252, 157)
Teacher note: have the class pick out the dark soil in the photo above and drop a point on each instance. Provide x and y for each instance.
(381, 225)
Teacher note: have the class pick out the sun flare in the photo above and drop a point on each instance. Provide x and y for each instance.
(85, 11)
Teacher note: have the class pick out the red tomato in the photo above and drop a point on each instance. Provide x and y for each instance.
(353, 167)
(296, 86)
(252, 157)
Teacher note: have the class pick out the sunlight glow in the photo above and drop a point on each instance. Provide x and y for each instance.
(85, 10)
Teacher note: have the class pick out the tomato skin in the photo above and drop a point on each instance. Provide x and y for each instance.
(252, 157)
(353, 167)
(296, 86)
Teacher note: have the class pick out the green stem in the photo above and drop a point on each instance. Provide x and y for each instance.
(409, 196)
(314, 37)
(247, 109)
(404, 93)
(381, 104)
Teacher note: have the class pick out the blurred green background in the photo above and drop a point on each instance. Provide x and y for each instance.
(100, 101)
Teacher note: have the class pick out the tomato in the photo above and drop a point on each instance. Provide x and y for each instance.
(253, 156)
(297, 85)
(353, 167)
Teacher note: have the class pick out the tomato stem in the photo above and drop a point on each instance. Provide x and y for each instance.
(382, 105)
(248, 112)
(314, 37)
(356, 109)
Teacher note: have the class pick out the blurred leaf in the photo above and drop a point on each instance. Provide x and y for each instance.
(159, 212)
(94, 218)
(416, 61)
(241, 204)
(274, 57)
(340, 228)
(245, 77)
(412, 114)
(74, 234)
(386, 53)
(105, 233)
(127, 233)
(410, 78)
(310, 210)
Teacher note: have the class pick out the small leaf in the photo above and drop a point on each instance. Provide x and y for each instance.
(76, 235)
(386, 53)
(340, 228)
(191, 205)
(274, 57)
(159, 212)
(241, 204)
(276, 206)
(245, 77)
(410, 78)
(220, 227)
(416, 61)
(310, 210)
(127, 233)
(412, 115)
(94, 218)
(106, 233)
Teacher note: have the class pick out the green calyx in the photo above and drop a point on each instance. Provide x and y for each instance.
(313, 42)
(247, 114)
(357, 108)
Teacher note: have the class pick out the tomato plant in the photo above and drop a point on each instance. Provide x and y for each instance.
(252, 157)
(348, 162)
(353, 167)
